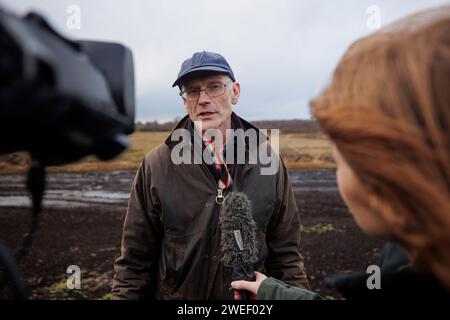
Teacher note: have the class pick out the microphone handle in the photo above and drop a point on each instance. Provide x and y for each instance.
(245, 295)
(244, 272)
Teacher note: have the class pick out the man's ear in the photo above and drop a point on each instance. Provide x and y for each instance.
(185, 104)
(235, 93)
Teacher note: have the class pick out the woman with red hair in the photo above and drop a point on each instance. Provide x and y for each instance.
(387, 113)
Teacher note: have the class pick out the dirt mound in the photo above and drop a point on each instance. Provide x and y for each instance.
(293, 155)
(325, 157)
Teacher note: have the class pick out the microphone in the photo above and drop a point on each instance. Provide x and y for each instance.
(238, 238)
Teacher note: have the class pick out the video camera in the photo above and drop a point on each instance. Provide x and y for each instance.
(60, 100)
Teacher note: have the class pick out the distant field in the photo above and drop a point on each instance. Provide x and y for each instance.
(306, 150)
(299, 150)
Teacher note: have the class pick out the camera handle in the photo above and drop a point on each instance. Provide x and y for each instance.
(36, 187)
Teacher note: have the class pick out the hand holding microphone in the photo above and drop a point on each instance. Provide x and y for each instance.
(250, 286)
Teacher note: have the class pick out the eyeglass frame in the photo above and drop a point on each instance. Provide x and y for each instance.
(206, 91)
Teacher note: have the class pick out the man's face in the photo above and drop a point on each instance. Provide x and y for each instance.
(213, 112)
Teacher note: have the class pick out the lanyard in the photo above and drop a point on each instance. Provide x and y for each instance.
(225, 180)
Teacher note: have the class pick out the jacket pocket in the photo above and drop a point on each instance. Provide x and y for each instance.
(172, 260)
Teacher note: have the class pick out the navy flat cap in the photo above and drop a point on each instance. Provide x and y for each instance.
(204, 61)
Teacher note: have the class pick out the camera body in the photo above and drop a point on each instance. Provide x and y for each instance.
(62, 99)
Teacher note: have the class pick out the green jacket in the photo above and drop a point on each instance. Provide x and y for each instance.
(171, 239)
(273, 289)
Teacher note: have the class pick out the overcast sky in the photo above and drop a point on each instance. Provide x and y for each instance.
(282, 52)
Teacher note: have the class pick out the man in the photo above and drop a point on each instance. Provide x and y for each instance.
(171, 237)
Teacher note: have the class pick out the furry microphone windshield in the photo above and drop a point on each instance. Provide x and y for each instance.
(238, 236)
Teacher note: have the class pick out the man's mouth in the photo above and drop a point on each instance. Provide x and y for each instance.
(205, 114)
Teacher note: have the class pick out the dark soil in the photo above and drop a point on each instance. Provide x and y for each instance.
(87, 232)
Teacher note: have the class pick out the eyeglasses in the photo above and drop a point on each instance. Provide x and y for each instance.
(215, 89)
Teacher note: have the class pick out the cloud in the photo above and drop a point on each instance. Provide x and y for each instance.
(282, 52)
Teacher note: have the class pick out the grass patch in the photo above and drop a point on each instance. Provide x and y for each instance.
(94, 286)
(58, 291)
(107, 296)
(317, 228)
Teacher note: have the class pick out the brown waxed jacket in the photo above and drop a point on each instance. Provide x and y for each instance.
(171, 239)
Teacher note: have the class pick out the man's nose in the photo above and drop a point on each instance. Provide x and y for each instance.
(203, 98)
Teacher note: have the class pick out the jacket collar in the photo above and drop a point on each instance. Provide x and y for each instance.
(238, 123)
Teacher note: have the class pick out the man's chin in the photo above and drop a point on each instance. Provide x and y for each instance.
(207, 124)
